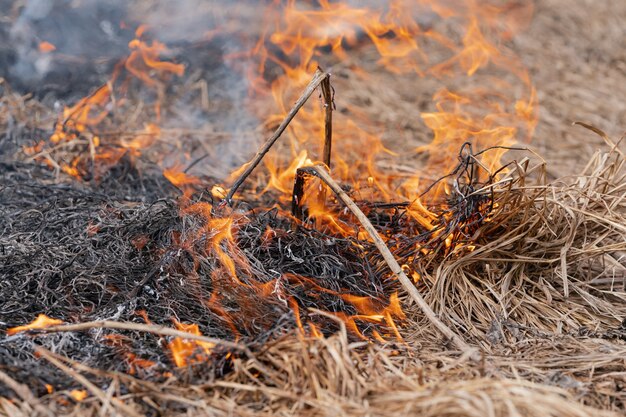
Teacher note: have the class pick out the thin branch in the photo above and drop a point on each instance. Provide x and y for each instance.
(327, 94)
(409, 287)
(313, 84)
(297, 194)
(140, 327)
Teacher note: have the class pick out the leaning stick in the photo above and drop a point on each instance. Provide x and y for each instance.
(313, 84)
(322, 174)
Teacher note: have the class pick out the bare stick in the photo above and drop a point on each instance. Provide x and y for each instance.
(327, 94)
(148, 328)
(154, 329)
(321, 173)
(97, 392)
(313, 84)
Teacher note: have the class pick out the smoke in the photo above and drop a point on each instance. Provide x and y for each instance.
(91, 36)
(87, 37)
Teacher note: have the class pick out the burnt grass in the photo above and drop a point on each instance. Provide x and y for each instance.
(114, 250)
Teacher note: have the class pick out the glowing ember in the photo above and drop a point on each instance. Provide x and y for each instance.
(41, 322)
(45, 47)
(78, 394)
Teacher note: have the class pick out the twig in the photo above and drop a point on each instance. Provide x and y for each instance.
(313, 84)
(297, 194)
(321, 173)
(49, 356)
(154, 329)
(327, 94)
(149, 328)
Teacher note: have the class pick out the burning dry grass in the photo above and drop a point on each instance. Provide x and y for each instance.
(535, 284)
(530, 273)
(539, 296)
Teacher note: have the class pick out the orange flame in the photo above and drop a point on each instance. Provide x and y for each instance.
(496, 115)
(46, 47)
(499, 114)
(41, 322)
(186, 352)
(302, 32)
(78, 395)
(81, 120)
(179, 178)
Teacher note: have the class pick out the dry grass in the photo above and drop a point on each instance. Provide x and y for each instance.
(557, 263)
(542, 297)
(542, 300)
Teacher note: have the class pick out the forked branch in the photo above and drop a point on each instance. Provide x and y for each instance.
(252, 164)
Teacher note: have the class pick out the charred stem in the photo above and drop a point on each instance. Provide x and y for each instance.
(329, 104)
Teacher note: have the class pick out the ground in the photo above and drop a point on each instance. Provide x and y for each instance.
(541, 300)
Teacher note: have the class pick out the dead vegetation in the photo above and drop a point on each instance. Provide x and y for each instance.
(534, 283)
(539, 297)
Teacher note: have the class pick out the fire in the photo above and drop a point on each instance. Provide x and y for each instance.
(181, 180)
(187, 352)
(41, 322)
(369, 310)
(142, 140)
(134, 363)
(78, 395)
(46, 47)
(78, 124)
(497, 115)
(297, 39)
(145, 58)
(302, 32)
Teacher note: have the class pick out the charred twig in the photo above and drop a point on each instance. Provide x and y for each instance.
(386, 206)
(194, 162)
(313, 84)
(323, 175)
(298, 194)
(329, 104)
